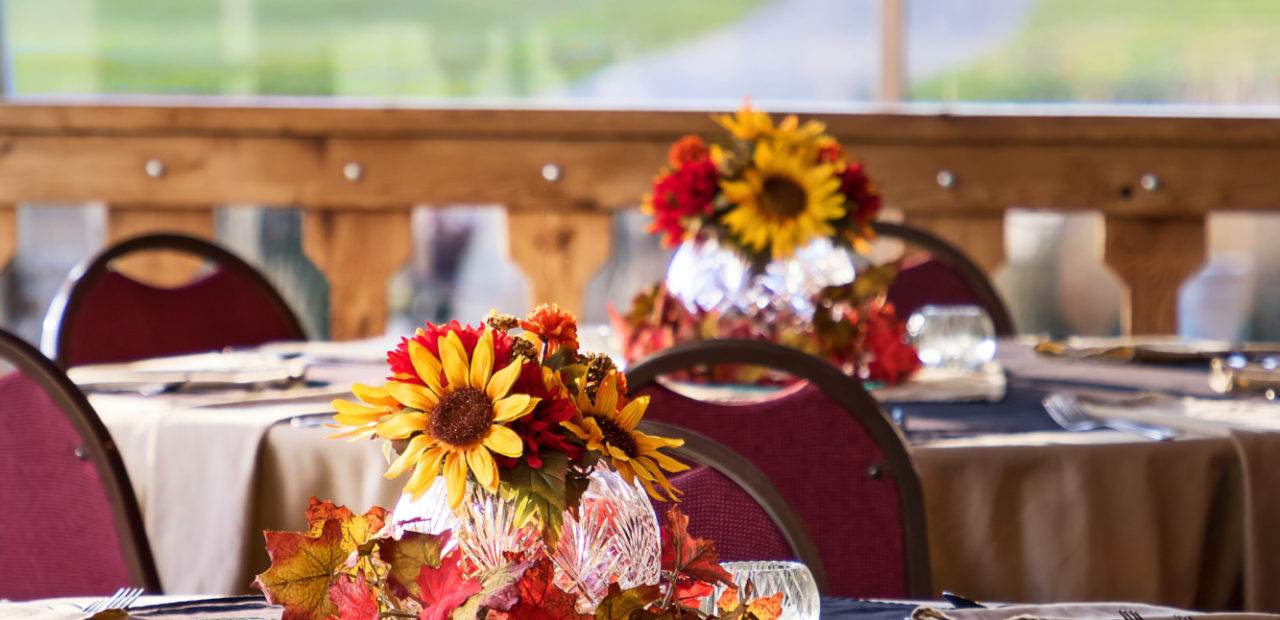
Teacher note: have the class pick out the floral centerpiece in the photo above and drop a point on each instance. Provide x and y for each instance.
(767, 223)
(526, 489)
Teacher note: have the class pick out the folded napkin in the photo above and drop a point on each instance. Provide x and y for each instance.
(939, 385)
(37, 610)
(1076, 611)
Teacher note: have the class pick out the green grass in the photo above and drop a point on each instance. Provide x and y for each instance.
(1221, 51)
(376, 48)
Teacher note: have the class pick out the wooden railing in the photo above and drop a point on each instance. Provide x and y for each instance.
(357, 172)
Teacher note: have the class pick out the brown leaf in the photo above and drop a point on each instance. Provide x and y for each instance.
(627, 604)
(684, 555)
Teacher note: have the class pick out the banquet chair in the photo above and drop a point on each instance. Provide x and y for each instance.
(941, 274)
(71, 525)
(102, 315)
(825, 444)
(729, 501)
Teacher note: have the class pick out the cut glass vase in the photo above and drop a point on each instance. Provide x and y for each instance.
(615, 537)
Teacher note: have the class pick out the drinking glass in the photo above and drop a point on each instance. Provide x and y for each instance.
(952, 337)
(799, 591)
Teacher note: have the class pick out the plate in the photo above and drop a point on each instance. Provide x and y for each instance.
(201, 371)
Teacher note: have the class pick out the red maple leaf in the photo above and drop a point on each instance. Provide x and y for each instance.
(540, 599)
(353, 598)
(302, 570)
(444, 589)
(684, 555)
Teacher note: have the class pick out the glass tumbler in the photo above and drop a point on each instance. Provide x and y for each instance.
(799, 591)
(952, 337)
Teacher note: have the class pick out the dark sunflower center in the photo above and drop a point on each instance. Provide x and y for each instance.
(618, 437)
(783, 197)
(462, 417)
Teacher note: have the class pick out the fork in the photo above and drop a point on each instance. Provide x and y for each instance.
(1065, 409)
(122, 599)
(1129, 614)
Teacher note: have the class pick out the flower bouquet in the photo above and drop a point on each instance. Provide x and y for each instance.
(767, 223)
(525, 497)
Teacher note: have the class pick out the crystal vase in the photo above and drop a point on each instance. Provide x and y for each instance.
(707, 275)
(615, 537)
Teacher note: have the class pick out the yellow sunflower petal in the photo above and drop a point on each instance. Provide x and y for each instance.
(454, 357)
(455, 476)
(575, 429)
(413, 395)
(483, 467)
(356, 434)
(410, 457)
(504, 441)
(376, 396)
(424, 475)
(482, 361)
(401, 426)
(617, 454)
(426, 365)
(631, 414)
(607, 396)
(346, 407)
(512, 407)
(500, 383)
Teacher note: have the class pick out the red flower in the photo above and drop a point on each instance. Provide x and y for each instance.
(541, 427)
(402, 367)
(687, 150)
(892, 359)
(860, 192)
(685, 192)
(830, 153)
(554, 326)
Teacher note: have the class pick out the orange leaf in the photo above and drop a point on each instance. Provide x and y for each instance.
(356, 531)
(766, 607)
(302, 571)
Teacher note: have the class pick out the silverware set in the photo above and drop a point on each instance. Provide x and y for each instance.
(1067, 410)
(122, 599)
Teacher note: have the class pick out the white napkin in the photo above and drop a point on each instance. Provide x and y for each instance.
(938, 385)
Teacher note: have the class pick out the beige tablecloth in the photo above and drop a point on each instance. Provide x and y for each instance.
(1029, 517)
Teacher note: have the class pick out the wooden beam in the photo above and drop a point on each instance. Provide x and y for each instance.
(358, 251)
(1154, 257)
(981, 237)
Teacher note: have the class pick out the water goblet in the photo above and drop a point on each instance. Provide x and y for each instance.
(952, 337)
(800, 599)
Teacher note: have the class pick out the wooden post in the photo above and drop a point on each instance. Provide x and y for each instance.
(560, 253)
(158, 268)
(893, 71)
(1154, 256)
(358, 251)
(8, 233)
(980, 236)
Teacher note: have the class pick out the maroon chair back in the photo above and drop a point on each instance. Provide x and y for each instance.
(102, 315)
(729, 501)
(827, 447)
(71, 525)
(942, 274)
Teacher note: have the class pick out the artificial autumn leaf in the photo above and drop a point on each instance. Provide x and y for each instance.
(353, 598)
(627, 604)
(443, 588)
(540, 599)
(302, 571)
(356, 531)
(690, 592)
(760, 608)
(684, 555)
(500, 591)
(407, 557)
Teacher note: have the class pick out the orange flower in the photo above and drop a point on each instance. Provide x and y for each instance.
(554, 326)
(689, 149)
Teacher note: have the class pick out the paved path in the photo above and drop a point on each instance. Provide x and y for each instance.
(808, 50)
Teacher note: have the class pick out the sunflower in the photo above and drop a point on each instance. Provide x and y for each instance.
(750, 124)
(782, 201)
(456, 417)
(612, 432)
